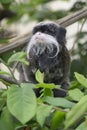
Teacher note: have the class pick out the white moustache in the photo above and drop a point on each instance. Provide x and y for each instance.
(47, 42)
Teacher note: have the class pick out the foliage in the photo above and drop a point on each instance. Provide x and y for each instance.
(6, 1)
(20, 108)
(79, 64)
(40, 10)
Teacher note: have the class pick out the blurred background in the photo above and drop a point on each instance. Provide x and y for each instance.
(17, 17)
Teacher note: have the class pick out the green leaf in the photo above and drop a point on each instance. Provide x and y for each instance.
(4, 72)
(6, 118)
(20, 127)
(48, 92)
(3, 126)
(2, 103)
(3, 99)
(75, 94)
(21, 102)
(43, 111)
(4, 40)
(57, 120)
(6, 56)
(81, 79)
(74, 84)
(82, 126)
(31, 85)
(76, 112)
(6, 1)
(44, 128)
(39, 76)
(46, 85)
(4, 94)
(60, 102)
(19, 56)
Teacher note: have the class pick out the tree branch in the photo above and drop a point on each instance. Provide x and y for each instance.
(69, 20)
(23, 40)
(8, 79)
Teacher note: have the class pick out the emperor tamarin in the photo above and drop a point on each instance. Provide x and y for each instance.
(47, 52)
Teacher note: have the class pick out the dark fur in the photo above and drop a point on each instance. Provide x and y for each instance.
(56, 68)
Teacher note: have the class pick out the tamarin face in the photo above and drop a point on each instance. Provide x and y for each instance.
(47, 38)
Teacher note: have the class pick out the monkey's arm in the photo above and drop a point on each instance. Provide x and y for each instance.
(66, 68)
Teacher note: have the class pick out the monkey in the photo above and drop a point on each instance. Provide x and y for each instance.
(47, 52)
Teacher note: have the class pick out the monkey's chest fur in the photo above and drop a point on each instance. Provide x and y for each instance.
(51, 66)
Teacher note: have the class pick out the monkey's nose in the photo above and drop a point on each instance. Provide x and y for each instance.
(39, 33)
(39, 36)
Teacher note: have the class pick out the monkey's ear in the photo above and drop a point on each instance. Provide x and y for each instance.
(61, 35)
(62, 31)
(34, 30)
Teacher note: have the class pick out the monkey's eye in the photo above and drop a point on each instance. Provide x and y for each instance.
(45, 31)
(52, 33)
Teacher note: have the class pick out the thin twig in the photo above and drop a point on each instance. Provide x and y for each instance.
(8, 79)
(82, 25)
(78, 35)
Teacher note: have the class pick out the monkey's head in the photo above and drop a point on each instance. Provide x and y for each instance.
(47, 40)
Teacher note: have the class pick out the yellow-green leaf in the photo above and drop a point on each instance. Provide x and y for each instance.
(39, 76)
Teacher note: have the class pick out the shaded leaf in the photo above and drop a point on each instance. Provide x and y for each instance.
(76, 112)
(43, 111)
(74, 84)
(3, 126)
(6, 118)
(4, 41)
(82, 126)
(2, 103)
(81, 79)
(57, 120)
(6, 1)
